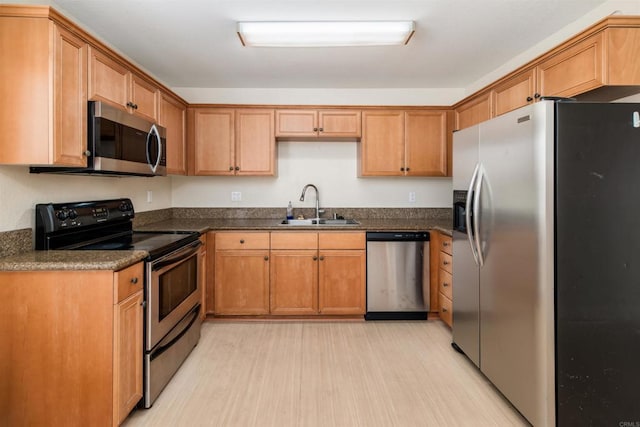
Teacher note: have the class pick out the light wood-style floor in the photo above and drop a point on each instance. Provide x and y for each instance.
(327, 374)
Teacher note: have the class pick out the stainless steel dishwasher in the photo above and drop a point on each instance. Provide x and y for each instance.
(397, 275)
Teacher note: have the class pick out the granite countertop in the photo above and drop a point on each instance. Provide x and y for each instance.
(117, 260)
(203, 225)
(71, 260)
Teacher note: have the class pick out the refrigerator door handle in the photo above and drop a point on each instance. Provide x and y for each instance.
(476, 217)
(467, 213)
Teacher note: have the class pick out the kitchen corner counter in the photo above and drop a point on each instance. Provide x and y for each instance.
(202, 225)
(71, 260)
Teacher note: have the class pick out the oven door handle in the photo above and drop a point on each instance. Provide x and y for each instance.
(195, 312)
(185, 253)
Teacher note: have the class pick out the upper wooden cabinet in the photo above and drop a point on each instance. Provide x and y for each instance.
(399, 143)
(173, 116)
(111, 81)
(338, 123)
(43, 90)
(225, 141)
(599, 64)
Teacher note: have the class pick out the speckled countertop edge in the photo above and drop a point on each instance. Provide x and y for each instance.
(71, 260)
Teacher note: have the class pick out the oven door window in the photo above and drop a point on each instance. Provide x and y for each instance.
(176, 284)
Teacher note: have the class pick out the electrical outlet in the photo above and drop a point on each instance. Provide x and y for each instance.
(149, 196)
(412, 196)
(236, 196)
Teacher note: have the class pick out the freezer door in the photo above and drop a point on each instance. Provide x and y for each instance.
(466, 276)
(515, 229)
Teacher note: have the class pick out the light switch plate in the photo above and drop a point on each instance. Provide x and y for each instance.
(412, 196)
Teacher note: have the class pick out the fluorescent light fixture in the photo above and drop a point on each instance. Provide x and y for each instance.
(325, 33)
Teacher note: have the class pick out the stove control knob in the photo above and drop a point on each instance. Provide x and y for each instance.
(62, 215)
(73, 214)
(124, 206)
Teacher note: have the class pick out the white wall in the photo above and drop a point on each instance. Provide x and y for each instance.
(331, 166)
(20, 191)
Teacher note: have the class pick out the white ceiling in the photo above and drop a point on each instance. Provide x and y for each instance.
(192, 43)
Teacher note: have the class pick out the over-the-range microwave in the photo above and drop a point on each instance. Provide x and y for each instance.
(119, 143)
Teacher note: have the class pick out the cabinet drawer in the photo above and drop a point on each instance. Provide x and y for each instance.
(294, 240)
(446, 310)
(242, 240)
(329, 240)
(445, 283)
(128, 281)
(445, 262)
(445, 244)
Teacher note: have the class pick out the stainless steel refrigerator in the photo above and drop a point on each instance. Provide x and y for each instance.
(546, 259)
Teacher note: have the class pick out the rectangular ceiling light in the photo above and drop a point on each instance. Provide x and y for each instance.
(325, 33)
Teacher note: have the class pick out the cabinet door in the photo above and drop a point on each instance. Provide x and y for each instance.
(255, 143)
(213, 137)
(209, 299)
(623, 45)
(342, 281)
(474, 111)
(109, 80)
(340, 123)
(573, 71)
(127, 390)
(173, 118)
(516, 92)
(294, 282)
(144, 96)
(426, 143)
(242, 282)
(70, 99)
(382, 146)
(292, 123)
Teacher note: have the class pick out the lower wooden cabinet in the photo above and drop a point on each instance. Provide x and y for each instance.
(242, 273)
(71, 346)
(445, 279)
(288, 273)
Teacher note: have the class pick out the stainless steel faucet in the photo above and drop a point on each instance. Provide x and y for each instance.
(304, 190)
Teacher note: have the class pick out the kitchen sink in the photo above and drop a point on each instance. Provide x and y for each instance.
(322, 221)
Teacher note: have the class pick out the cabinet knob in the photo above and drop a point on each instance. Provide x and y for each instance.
(130, 104)
(315, 129)
(445, 262)
(86, 153)
(444, 310)
(402, 169)
(266, 258)
(445, 284)
(315, 258)
(408, 169)
(230, 168)
(445, 244)
(237, 168)
(143, 304)
(134, 280)
(529, 99)
(321, 258)
(536, 95)
(135, 106)
(241, 241)
(321, 129)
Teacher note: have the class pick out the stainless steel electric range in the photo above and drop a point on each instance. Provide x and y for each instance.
(172, 290)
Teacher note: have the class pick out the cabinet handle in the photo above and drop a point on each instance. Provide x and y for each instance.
(536, 95)
(266, 258)
(241, 241)
(315, 258)
(134, 280)
(230, 168)
(237, 168)
(529, 99)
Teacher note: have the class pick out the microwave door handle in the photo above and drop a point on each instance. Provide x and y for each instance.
(467, 214)
(154, 131)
